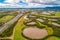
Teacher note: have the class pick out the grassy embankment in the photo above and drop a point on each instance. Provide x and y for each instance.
(18, 29)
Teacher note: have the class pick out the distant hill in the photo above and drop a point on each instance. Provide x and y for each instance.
(46, 8)
(53, 8)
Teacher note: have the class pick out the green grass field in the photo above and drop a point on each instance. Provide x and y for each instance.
(57, 14)
(5, 19)
(18, 29)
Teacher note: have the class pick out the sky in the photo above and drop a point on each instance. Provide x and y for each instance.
(28, 3)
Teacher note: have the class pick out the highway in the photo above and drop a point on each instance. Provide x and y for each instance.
(8, 24)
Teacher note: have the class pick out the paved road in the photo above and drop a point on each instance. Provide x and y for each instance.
(7, 25)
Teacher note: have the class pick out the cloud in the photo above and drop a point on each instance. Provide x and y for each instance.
(10, 6)
(12, 1)
(29, 3)
(36, 5)
(47, 2)
(40, 1)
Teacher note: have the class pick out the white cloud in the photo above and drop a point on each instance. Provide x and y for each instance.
(47, 2)
(31, 4)
(9, 5)
(35, 5)
(40, 1)
(12, 1)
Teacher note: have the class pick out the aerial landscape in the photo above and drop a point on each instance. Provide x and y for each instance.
(30, 25)
(29, 19)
